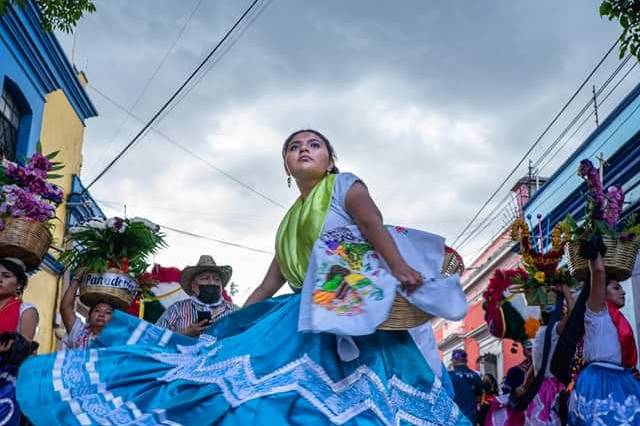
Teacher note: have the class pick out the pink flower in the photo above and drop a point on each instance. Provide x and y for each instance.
(615, 200)
(596, 197)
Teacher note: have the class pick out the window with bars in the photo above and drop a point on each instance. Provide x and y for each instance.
(9, 125)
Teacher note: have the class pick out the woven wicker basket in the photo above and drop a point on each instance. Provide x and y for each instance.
(26, 240)
(120, 296)
(618, 262)
(404, 315)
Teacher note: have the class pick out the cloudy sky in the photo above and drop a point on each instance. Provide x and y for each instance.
(430, 102)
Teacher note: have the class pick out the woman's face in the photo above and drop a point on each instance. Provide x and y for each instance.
(307, 156)
(8, 283)
(615, 293)
(100, 315)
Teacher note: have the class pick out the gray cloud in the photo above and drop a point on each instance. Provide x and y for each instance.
(431, 103)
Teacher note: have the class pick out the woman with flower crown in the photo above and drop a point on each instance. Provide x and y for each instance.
(254, 366)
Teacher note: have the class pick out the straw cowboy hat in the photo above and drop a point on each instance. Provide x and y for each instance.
(205, 264)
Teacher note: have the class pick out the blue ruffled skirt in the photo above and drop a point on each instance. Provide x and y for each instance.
(252, 368)
(9, 410)
(605, 396)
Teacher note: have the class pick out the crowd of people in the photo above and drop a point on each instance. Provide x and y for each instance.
(206, 361)
(600, 386)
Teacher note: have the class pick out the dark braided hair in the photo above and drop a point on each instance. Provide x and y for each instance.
(570, 337)
(332, 153)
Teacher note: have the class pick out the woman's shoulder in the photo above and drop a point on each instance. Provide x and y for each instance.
(25, 306)
(347, 177)
(344, 182)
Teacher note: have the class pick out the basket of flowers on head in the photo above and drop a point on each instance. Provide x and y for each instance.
(601, 230)
(541, 268)
(507, 314)
(112, 253)
(28, 203)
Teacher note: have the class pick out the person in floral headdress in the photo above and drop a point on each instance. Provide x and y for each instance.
(607, 390)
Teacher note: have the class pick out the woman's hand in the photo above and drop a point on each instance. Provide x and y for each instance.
(409, 278)
(597, 265)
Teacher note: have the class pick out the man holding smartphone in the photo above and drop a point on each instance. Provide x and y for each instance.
(205, 283)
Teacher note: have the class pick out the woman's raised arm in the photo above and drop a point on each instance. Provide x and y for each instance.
(271, 283)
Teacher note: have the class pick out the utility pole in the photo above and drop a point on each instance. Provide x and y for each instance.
(602, 162)
(530, 179)
(595, 105)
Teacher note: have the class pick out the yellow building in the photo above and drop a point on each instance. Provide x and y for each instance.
(44, 100)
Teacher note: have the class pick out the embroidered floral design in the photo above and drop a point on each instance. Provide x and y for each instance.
(604, 412)
(344, 280)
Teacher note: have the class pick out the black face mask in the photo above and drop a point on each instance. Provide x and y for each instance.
(209, 294)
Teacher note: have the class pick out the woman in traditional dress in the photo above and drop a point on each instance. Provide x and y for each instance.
(542, 409)
(254, 366)
(18, 324)
(607, 390)
(80, 334)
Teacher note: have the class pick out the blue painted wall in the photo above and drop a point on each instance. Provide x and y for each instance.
(20, 84)
(618, 139)
(33, 64)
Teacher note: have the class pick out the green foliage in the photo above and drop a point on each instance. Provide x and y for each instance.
(99, 245)
(60, 15)
(627, 12)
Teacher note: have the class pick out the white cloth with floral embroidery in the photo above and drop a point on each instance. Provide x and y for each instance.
(349, 289)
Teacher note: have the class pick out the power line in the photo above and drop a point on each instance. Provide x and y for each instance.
(250, 20)
(119, 204)
(602, 101)
(568, 178)
(491, 217)
(490, 240)
(584, 109)
(537, 141)
(226, 243)
(153, 75)
(204, 237)
(174, 96)
(187, 150)
(596, 149)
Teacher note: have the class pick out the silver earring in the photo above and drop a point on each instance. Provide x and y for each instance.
(289, 181)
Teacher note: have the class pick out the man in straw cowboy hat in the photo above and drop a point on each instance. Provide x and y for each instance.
(204, 283)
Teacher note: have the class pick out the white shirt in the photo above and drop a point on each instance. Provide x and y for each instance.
(538, 349)
(23, 308)
(601, 341)
(79, 337)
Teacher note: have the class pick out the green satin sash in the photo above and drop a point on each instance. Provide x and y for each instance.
(299, 230)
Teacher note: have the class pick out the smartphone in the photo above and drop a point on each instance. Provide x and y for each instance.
(204, 315)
